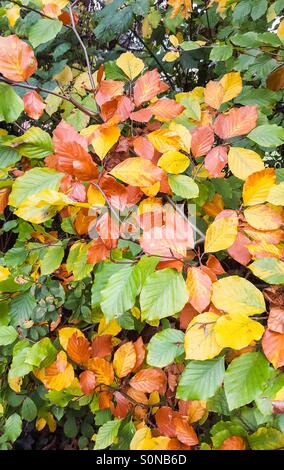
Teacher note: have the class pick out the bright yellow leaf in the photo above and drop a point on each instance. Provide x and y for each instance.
(234, 294)
(200, 338)
(257, 186)
(280, 30)
(95, 197)
(237, 331)
(13, 14)
(184, 135)
(138, 171)
(164, 140)
(174, 162)
(276, 194)
(243, 162)
(221, 234)
(4, 273)
(232, 84)
(104, 139)
(132, 66)
(111, 328)
(139, 436)
(171, 56)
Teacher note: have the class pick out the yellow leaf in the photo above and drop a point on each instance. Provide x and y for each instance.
(257, 186)
(139, 436)
(40, 424)
(132, 66)
(137, 171)
(171, 56)
(237, 331)
(200, 338)
(51, 422)
(95, 197)
(154, 397)
(4, 273)
(60, 3)
(104, 139)
(232, 84)
(65, 76)
(234, 294)
(264, 216)
(164, 140)
(124, 359)
(135, 312)
(243, 162)
(155, 443)
(280, 30)
(13, 14)
(276, 194)
(174, 162)
(183, 133)
(15, 383)
(221, 234)
(58, 376)
(111, 328)
(66, 333)
(174, 40)
(152, 190)
(82, 82)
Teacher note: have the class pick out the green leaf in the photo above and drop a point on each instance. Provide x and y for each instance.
(183, 186)
(43, 31)
(41, 354)
(8, 335)
(107, 434)
(11, 105)
(13, 427)
(218, 403)
(266, 439)
(193, 110)
(221, 52)
(71, 427)
(125, 436)
(164, 294)
(52, 259)
(270, 270)
(268, 135)
(34, 143)
(120, 292)
(29, 409)
(201, 379)
(245, 379)
(21, 308)
(34, 179)
(224, 429)
(77, 261)
(164, 347)
(8, 156)
(258, 9)
(104, 271)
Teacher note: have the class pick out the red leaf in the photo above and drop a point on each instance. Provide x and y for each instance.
(277, 407)
(187, 314)
(87, 382)
(33, 104)
(122, 406)
(237, 121)
(216, 160)
(202, 140)
(114, 191)
(165, 421)
(101, 346)
(148, 86)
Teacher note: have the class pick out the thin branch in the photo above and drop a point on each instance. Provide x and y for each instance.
(83, 47)
(45, 90)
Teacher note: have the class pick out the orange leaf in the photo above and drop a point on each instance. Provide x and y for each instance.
(102, 369)
(233, 443)
(17, 59)
(143, 148)
(214, 264)
(148, 86)
(140, 351)
(237, 121)
(150, 380)
(107, 90)
(193, 409)
(216, 160)
(239, 251)
(257, 186)
(214, 94)
(273, 347)
(97, 252)
(119, 109)
(186, 315)
(33, 104)
(4, 196)
(101, 346)
(185, 432)
(108, 229)
(202, 140)
(122, 406)
(165, 421)
(66, 333)
(166, 109)
(87, 382)
(276, 319)
(199, 287)
(59, 375)
(78, 349)
(124, 359)
(143, 115)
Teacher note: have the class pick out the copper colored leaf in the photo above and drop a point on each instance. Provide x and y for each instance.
(275, 320)
(166, 109)
(17, 59)
(124, 359)
(199, 287)
(233, 443)
(101, 346)
(78, 349)
(149, 380)
(148, 86)
(202, 140)
(102, 369)
(214, 94)
(165, 421)
(33, 104)
(185, 432)
(87, 382)
(237, 121)
(273, 347)
(275, 80)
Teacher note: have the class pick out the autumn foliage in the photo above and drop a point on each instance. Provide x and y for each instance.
(142, 259)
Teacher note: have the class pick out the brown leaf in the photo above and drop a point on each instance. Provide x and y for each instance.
(101, 346)
(150, 380)
(87, 382)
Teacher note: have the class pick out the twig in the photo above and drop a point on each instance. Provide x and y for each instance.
(45, 90)
(83, 47)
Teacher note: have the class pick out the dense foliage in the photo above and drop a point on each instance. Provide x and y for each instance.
(141, 201)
